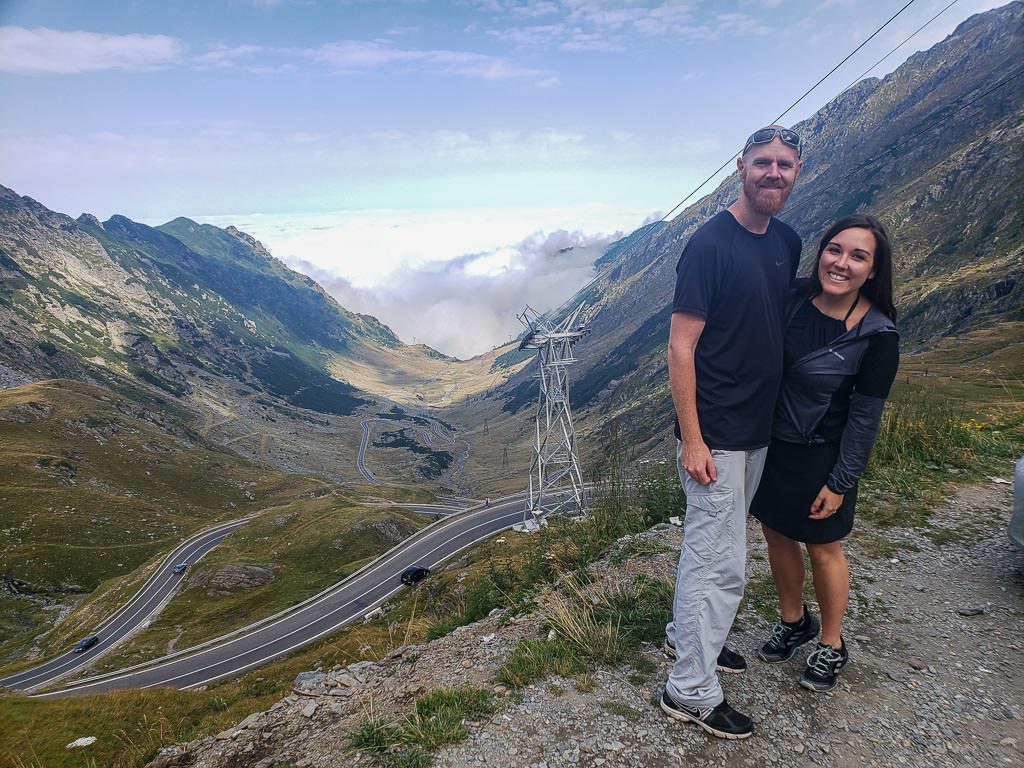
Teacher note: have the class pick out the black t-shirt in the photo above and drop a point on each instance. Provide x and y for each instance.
(811, 329)
(738, 282)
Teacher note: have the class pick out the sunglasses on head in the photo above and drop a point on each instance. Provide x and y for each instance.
(766, 135)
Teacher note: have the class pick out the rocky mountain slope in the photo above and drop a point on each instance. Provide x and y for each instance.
(163, 306)
(934, 149)
(206, 323)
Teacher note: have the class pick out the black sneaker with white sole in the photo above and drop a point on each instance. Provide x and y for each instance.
(823, 665)
(786, 638)
(722, 721)
(728, 661)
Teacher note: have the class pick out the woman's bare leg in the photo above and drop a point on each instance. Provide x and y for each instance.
(787, 562)
(832, 586)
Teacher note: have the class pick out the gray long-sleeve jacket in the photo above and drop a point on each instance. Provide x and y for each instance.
(807, 389)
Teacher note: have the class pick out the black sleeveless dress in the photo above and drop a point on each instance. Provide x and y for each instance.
(795, 472)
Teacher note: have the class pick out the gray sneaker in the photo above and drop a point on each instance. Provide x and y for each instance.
(786, 638)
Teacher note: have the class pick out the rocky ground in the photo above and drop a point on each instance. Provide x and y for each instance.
(936, 676)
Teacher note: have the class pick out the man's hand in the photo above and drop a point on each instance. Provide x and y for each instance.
(825, 503)
(698, 462)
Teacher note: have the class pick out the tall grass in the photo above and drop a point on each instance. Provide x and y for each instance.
(626, 499)
(438, 718)
(605, 621)
(924, 441)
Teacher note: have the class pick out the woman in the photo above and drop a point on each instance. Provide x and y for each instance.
(841, 354)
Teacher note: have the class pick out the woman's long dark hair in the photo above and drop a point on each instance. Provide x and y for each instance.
(878, 288)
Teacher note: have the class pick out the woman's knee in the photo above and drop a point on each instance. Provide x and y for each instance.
(780, 545)
(826, 554)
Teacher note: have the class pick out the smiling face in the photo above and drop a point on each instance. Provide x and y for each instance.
(847, 261)
(768, 173)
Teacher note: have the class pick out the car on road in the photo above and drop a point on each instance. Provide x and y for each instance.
(86, 643)
(415, 573)
(181, 568)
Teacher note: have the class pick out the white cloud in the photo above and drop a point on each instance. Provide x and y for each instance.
(611, 25)
(52, 51)
(739, 24)
(227, 57)
(348, 56)
(450, 278)
(534, 8)
(468, 305)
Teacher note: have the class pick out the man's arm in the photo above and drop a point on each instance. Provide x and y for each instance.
(683, 335)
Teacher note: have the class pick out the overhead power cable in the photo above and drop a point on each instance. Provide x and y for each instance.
(791, 106)
(651, 231)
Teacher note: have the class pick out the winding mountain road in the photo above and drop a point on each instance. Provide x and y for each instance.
(133, 615)
(308, 621)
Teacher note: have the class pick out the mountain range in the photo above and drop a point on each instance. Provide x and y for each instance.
(200, 332)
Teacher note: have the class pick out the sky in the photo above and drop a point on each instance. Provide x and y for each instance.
(437, 164)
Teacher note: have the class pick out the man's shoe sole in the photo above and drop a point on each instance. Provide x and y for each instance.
(670, 653)
(678, 714)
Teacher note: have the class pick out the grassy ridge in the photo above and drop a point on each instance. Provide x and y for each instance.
(956, 413)
(92, 488)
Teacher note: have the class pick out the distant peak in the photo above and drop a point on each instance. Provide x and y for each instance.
(89, 220)
(183, 221)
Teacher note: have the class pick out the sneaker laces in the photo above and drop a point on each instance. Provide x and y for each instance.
(778, 632)
(822, 659)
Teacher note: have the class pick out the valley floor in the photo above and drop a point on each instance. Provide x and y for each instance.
(935, 628)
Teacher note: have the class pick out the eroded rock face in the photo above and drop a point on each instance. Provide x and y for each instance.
(233, 577)
(26, 413)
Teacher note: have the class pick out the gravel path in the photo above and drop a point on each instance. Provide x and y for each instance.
(936, 676)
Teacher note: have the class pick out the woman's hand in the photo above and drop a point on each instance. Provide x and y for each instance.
(825, 504)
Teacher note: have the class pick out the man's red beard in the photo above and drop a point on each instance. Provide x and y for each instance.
(768, 201)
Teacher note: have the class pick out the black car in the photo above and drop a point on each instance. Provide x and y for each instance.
(415, 573)
(86, 643)
(181, 568)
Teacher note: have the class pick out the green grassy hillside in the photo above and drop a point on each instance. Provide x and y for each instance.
(94, 486)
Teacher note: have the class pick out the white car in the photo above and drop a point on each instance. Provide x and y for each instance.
(1017, 518)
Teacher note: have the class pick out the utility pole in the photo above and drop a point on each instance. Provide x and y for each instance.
(556, 482)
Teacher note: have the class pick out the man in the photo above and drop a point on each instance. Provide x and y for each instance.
(725, 366)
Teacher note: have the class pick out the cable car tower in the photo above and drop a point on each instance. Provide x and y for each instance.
(556, 482)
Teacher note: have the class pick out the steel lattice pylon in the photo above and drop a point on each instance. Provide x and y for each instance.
(556, 482)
